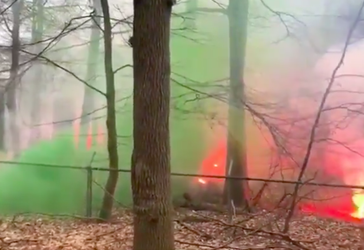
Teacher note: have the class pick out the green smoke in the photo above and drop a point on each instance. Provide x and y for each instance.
(32, 188)
(39, 189)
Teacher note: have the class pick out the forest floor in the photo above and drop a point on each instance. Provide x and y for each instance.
(193, 230)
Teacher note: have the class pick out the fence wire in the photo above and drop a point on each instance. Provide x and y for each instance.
(89, 168)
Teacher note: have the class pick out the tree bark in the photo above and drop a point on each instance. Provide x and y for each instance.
(151, 185)
(112, 180)
(11, 87)
(236, 190)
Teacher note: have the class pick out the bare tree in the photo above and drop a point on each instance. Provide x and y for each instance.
(151, 184)
(36, 90)
(236, 148)
(2, 116)
(3, 83)
(309, 150)
(92, 65)
(112, 180)
(11, 87)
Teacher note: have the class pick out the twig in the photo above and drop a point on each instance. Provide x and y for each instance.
(317, 119)
(281, 236)
(230, 200)
(201, 233)
(54, 215)
(255, 247)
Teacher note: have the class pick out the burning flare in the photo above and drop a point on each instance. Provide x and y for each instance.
(358, 200)
(202, 181)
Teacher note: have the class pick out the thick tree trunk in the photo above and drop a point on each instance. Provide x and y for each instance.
(88, 105)
(153, 228)
(112, 180)
(11, 100)
(236, 165)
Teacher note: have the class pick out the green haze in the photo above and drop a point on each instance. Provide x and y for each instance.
(53, 190)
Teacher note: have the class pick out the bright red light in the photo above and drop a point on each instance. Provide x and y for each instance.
(214, 163)
(89, 136)
(339, 208)
(202, 181)
(100, 138)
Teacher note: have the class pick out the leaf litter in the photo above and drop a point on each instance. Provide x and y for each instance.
(193, 230)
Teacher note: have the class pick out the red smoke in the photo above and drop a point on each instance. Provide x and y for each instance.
(214, 163)
(341, 207)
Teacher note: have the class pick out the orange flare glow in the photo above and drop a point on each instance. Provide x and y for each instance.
(89, 137)
(214, 163)
(358, 200)
(202, 181)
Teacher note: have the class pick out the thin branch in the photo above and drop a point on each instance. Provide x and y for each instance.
(318, 117)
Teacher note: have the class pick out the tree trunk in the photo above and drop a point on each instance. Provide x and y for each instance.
(153, 228)
(191, 9)
(11, 100)
(37, 85)
(112, 180)
(236, 162)
(2, 120)
(88, 105)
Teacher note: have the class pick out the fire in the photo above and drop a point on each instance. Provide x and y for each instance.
(202, 181)
(214, 163)
(208, 171)
(358, 200)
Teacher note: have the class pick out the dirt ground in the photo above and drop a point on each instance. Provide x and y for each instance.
(193, 230)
